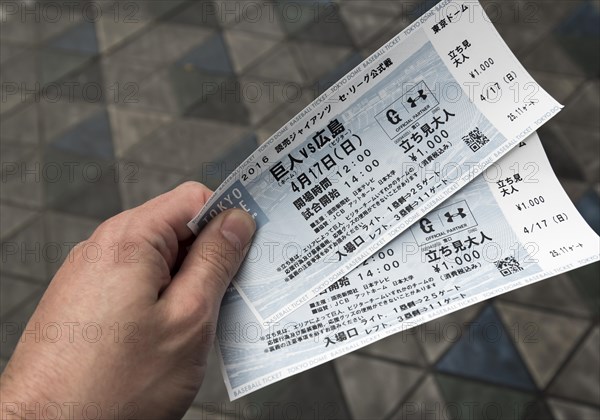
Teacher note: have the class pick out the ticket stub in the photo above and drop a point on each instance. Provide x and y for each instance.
(391, 140)
(511, 226)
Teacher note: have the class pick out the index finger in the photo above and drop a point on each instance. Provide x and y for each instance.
(175, 208)
(162, 221)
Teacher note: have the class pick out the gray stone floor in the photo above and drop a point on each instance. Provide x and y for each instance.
(157, 92)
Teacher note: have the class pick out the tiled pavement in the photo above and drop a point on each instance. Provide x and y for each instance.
(156, 92)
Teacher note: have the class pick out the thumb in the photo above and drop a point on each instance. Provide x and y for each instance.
(211, 263)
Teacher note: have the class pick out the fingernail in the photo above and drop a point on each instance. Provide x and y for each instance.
(238, 227)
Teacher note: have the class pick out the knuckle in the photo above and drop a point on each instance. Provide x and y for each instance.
(218, 269)
(190, 185)
(194, 189)
(110, 225)
(76, 254)
(114, 228)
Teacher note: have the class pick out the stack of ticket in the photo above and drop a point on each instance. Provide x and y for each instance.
(414, 187)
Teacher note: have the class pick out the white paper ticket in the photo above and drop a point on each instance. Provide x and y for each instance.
(510, 227)
(391, 140)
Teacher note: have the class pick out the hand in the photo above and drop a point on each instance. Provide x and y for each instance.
(126, 324)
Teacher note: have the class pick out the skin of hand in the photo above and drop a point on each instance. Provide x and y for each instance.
(128, 320)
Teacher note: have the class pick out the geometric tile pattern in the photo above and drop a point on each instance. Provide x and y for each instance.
(544, 339)
(364, 399)
(486, 353)
(99, 115)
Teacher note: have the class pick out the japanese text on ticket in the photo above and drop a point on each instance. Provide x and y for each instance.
(391, 140)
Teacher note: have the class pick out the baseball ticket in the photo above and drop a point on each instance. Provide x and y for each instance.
(510, 227)
(395, 137)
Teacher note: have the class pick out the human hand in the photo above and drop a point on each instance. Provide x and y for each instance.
(130, 316)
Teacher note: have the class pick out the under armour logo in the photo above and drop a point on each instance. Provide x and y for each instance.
(413, 102)
(450, 217)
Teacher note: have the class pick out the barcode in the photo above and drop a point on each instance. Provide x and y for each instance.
(508, 266)
(475, 139)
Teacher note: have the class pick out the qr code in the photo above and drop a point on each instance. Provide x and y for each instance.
(508, 266)
(475, 139)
